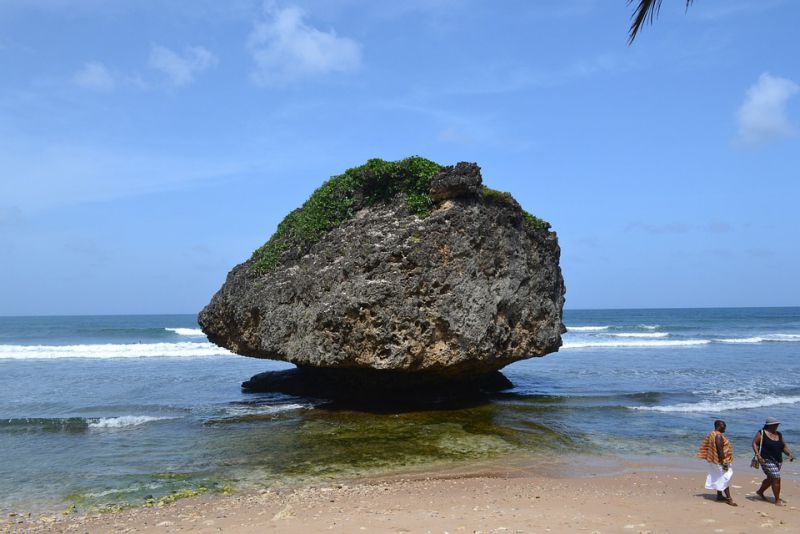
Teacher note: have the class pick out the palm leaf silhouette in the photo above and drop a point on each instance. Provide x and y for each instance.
(646, 11)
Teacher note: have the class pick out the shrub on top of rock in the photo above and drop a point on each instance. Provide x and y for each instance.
(339, 198)
(422, 182)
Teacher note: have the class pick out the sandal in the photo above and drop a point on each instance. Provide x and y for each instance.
(730, 502)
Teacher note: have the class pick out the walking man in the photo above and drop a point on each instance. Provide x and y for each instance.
(717, 451)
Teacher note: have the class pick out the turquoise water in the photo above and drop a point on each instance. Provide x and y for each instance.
(107, 410)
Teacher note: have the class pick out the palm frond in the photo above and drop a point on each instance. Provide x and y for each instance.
(646, 11)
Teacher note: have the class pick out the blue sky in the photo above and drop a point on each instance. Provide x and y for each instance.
(147, 147)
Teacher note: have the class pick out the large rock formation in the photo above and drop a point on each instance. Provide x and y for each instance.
(402, 270)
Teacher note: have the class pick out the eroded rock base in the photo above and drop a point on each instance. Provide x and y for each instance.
(373, 388)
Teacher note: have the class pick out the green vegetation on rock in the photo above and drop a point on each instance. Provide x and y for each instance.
(532, 221)
(501, 197)
(337, 200)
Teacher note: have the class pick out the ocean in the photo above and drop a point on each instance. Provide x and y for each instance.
(109, 411)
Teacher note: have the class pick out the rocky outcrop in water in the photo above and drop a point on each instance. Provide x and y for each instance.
(397, 270)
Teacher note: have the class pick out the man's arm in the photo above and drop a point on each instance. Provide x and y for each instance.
(720, 451)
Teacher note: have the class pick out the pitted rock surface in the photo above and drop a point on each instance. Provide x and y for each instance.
(462, 179)
(462, 292)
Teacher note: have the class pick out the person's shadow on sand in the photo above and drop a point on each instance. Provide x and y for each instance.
(769, 500)
(707, 496)
(713, 497)
(752, 497)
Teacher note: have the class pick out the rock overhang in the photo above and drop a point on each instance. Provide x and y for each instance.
(459, 290)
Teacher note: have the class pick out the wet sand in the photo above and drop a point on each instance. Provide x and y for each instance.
(592, 496)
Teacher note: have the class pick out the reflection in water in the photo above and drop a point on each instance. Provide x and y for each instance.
(305, 444)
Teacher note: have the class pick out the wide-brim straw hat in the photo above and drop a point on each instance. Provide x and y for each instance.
(771, 421)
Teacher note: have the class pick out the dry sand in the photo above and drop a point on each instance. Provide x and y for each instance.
(630, 498)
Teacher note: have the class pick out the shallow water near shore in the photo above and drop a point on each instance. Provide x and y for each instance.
(99, 411)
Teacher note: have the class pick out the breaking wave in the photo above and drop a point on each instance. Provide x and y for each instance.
(720, 406)
(194, 332)
(75, 424)
(123, 421)
(587, 328)
(644, 343)
(741, 340)
(642, 334)
(773, 338)
(657, 339)
(104, 351)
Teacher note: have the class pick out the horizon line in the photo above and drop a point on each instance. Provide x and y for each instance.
(4, 316)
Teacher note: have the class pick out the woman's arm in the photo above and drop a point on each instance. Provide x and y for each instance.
(756, 446)
(786, 450)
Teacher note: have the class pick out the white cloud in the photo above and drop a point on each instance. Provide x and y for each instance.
(453, 135)
(43, 175)
(94, 75)
(286, 49)
(762, 117)
(181, 68)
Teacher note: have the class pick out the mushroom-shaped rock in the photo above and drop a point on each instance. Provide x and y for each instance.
(397, 269)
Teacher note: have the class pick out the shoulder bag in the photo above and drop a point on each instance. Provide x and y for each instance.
(754, 462)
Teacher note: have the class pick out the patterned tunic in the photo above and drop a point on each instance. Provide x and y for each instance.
(708, 449)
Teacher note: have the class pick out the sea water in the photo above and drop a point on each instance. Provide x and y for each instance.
(99, 411)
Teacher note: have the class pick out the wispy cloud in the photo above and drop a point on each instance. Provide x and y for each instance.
(181, 69)
(719, 227)
(95, 76)
(762, 117)
(510, 77)
(668, 228)
(454, 135)
(286, 49)
(713, 227)
(729, 8)
(44, 175)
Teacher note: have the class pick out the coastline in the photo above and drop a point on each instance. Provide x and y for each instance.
(592, 494)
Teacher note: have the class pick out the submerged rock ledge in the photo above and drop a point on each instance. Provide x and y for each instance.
(409, 269)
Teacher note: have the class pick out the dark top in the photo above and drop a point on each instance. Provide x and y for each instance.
(772, 449)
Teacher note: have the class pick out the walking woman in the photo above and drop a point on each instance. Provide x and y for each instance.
(769, 447)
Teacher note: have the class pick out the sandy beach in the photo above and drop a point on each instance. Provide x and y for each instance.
(627, 497)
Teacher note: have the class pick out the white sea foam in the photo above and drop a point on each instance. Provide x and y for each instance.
(194, 332)
(647, 335)
(741, 340)
(125, 421)
(586, 328)
(102, 351)
(721, 406)
(245, 410)
(644, 343)
(649, 326)
(784, 338)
